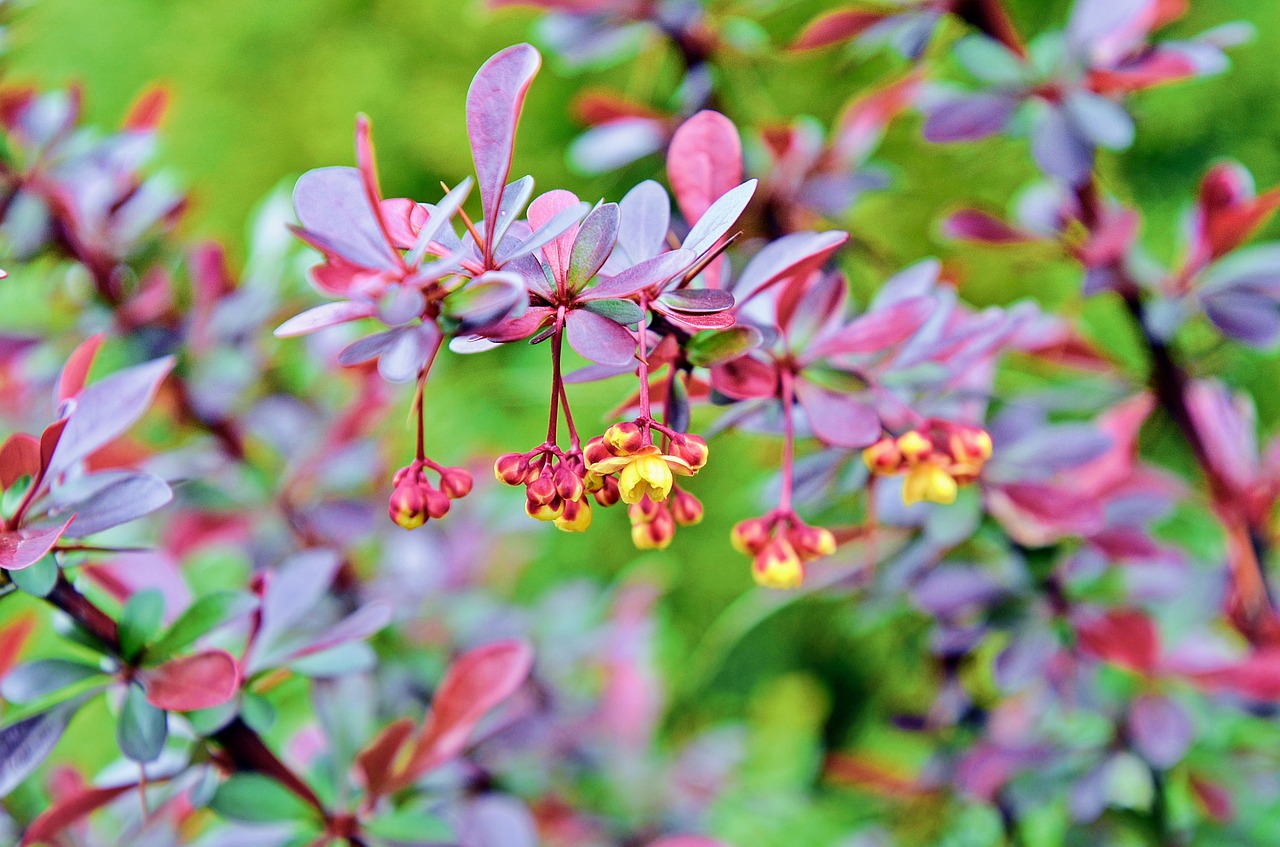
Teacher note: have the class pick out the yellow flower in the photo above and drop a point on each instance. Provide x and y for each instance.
(927, 481)
(647, 472)
(778, 566)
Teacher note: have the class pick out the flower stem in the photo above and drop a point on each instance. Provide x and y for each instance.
(787, 395)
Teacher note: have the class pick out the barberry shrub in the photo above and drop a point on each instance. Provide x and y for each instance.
(1006, 574)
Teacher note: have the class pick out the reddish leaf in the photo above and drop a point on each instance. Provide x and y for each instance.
(19, 457)
(194, 682)
(69, 810)
(76, 371)
(474, 685)
(148, 110)
(324, 316)
(789, 256)
(875, 331)
(13, 636)
(975, 225)
(22, 548)
(1256, 677)
(376, 760)
(836, 26)
(838, 419)
(745, 378)
(1124, 637)
(703, 162)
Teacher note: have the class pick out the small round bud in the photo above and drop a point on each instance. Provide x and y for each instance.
(883, 457)
(568, 484)
(750, 536)
(644, 511)
(576, 516)
(511, 468)
(455, 483)
(655, 534)
(407, 505)
(609, 493)
(691, 448)
(913, 446)
(548, 511)
(542, 490)
(812, 542)
(778, 566)
(685, 508)
(595, 451)
(623, 439)
(437, 502)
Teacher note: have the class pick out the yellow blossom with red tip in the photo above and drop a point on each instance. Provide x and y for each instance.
(576, 516)
(645, 473)
(778, 565)
(936, 462)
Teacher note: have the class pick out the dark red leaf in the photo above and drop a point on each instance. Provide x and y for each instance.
(194, 682)
(69, 810)
(1124, 637)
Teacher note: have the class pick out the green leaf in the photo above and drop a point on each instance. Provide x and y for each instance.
(619, 311)
(255, 798)
(203, 616)
(140, 621)
(715, 347)
(412, 826)
(143, 728)
(33, 680)
(37, 580)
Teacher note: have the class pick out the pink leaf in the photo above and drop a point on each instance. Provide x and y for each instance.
(194, 682)
(837, 419)
(324, 316)
(703, 162)
(836, 26)
(475, 684)
(19, 457)
(975, 225)
(494, 102)
(1124, 637)
(791, 255)
(22, 548)
(875, 331)
(76, 371)
(541, 212)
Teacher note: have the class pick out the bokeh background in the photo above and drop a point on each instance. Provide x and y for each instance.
(263, 91)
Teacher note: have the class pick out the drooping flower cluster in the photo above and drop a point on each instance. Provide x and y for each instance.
(935, 460)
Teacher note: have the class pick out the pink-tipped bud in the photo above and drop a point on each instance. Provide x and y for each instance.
(655, 534)
(568, 484)
(609, 494)
(542, 490)
(685, 508)
(407, 505)
(778, 566)
(512, 468)
(883, 457)
(969, 444)
(405, 471)
(548, 511)
(812, 542)
(437, 502)
(644, 511)
(623, 439)
(455, 483)
(750, 536)
(691, 448)
(914, 446)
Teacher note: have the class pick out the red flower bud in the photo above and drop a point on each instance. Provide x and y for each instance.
(883, 457)
(655, 534)
(407, 505)
(576, 516)
(609, 493)
(623, 439)
(568, 484)
(644, 511)
(455, 483)
(437, 502)
(778, 566)
(542, 489)
(691, 448)
(812, 542)
(548, 511)
(512, 468)
(596, 451)
(750, 536)
(685, 508)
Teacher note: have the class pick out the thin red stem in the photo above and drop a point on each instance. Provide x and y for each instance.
(787, 392)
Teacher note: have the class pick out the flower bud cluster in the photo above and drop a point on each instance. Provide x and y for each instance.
(936, 459)
(780, 544)
(653, 523)
(414, 500)
(556, 486)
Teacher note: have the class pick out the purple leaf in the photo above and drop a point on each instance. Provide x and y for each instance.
(650, 272)
(332, 206)
(1102, 121)
(599, 339)
(323, 316)
(645, 220)
(369, 347)
(358, 626)
(1243, 315)
(104, 410)
(837, 419)
(548, 232)
(717, 220)
(439, 219)
(494, 101)
(968, 117)
(698, 300)
(1161, 730)
(292, 592)
(1059, 149)
(592, 246)
(25, 744)
(619, 142)
(976, 225)
(486, 300)
(875, 331)
(118, 499)
(405, 358)
(22, 548)
(514, 198)
(790, 255)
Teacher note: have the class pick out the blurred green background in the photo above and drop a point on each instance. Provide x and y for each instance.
(265, 90)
